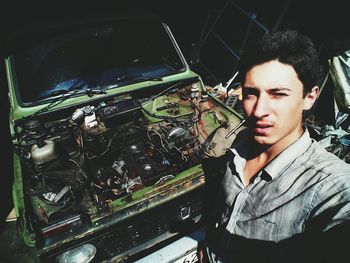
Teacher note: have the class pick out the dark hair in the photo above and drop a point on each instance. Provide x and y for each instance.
(288, 47)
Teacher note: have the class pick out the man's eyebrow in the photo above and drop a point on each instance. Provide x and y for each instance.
(248, 87)
(268, 90)
(272, 90)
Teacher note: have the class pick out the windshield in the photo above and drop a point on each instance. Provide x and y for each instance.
(93, 57)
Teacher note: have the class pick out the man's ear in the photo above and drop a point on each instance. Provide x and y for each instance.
(311, 97)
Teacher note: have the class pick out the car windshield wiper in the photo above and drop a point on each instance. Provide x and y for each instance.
(76, 86)
(64, 94)
(131, 79)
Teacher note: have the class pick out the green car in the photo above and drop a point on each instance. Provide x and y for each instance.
(109, 127)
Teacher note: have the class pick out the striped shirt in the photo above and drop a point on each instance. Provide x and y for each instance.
(299, 185)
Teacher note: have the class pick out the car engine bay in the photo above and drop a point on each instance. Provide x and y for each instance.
(77, 165)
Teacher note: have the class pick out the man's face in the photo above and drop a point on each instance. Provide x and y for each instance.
(273, 103)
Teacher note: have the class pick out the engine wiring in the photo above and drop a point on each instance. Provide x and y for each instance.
(106, 151)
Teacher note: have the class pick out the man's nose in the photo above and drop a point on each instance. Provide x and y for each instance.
(261, 107)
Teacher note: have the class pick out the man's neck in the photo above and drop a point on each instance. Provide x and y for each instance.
(256, 161)
(261, 155)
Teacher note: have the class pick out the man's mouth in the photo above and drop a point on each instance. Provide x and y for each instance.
(261, 128)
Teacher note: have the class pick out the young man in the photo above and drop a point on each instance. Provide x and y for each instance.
(282, 195)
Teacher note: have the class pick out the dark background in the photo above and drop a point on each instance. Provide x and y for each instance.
(324, 21)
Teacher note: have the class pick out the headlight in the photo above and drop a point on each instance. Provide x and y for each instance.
(82, 254)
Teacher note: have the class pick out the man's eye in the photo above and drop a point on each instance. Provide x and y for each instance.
(279, 94)
(249, 93)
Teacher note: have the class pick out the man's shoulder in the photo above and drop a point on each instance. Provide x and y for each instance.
(318, 158)
(320, 172)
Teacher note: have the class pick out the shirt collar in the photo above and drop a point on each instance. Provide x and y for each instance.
(287, 156)
(282, 161)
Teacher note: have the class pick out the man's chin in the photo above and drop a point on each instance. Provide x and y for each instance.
(263, 140)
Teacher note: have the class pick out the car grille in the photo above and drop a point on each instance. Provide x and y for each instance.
(136, 233)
